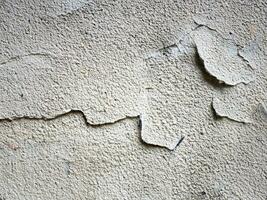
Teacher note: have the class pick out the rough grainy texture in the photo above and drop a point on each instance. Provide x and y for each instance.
(133, 99)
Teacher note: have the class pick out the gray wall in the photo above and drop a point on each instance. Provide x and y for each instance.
(133, 99)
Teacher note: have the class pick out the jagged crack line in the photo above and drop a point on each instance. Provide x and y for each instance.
(94, 125)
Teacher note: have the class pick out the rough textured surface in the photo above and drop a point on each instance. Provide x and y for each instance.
(66, 159)
(91, 90)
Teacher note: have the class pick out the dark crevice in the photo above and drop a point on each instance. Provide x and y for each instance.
(43, 118)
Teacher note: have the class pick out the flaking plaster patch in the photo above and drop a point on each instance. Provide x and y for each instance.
(177, 97)
(93, 59)
(220, 57)
(230, 111)
(254, 52)
(153, 98)
(153, 133)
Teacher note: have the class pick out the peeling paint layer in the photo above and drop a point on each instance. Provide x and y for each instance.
(175, 89)
(93, 56)
(153, 134)
(222, 109)
(220, 57)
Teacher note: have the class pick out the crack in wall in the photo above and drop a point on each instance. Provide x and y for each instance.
(110, 123)
(171, 50)
(72, 111)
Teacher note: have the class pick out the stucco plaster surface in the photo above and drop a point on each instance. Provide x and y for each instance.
(91, 90)
(64, 158)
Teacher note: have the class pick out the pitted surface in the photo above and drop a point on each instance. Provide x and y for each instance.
(91, 90)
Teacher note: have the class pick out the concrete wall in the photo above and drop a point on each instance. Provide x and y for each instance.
(109, 99)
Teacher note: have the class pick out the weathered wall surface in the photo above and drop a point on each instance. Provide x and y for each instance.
(133, 99)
